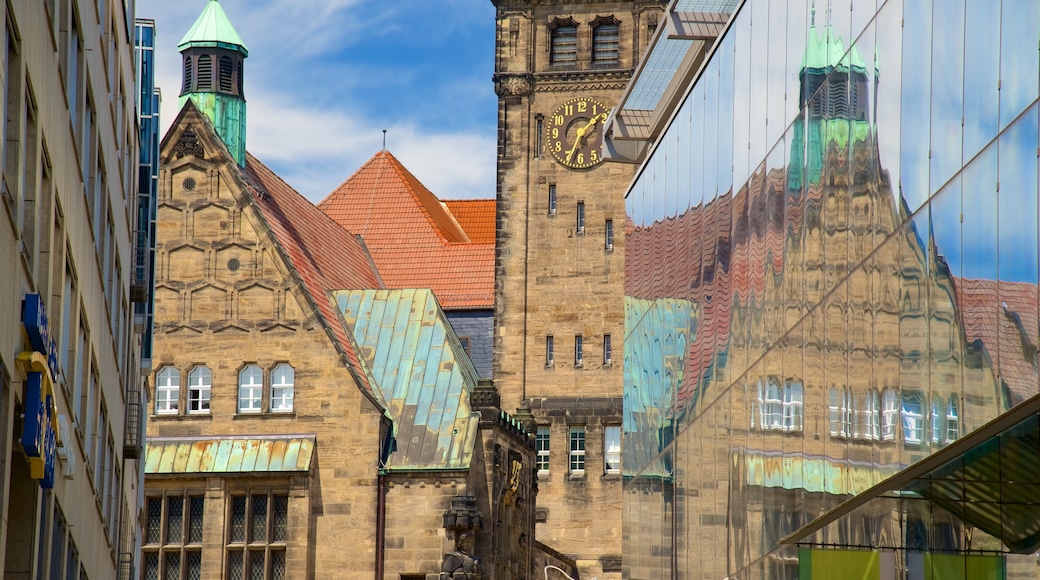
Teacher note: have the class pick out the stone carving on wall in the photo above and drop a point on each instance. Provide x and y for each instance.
(189, 144)
(513, 85)
(461, 564)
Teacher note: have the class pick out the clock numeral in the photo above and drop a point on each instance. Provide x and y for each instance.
(558, 120)
(581, 158)
(559, 147)
(555, 133)
(595, 109)
(593, 156)
(582, 106)
(568, 110)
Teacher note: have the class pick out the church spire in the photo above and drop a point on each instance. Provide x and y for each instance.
(213, 75)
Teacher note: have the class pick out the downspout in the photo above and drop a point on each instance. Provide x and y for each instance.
(380, 524)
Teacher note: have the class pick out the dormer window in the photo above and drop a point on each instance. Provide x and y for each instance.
(563, 41)
(605, 36)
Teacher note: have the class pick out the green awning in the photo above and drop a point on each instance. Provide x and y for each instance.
(184, 455)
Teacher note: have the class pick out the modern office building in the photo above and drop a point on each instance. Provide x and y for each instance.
(831, 293)
(70, 380)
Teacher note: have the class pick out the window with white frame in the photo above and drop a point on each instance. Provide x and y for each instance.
(250, 389)
(889, 414)
(938, 414)
(283, 379)
(577, 449)
(772, 406)
(167, 391)
(870, 417)
(793, 407)
(952, 420)
(913, 418)
(612, 448)
(541, 443)
(200, 384)
(841, 413)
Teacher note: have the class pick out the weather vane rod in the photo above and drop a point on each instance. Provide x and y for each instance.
(384, 139)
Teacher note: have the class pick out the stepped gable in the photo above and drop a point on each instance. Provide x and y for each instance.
(413, 237)
(325, 255)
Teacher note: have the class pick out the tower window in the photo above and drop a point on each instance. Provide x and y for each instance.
(605, 41)
(580, 222)
(540, 122)
(579, 350)
(239, 79)
(606, 350)
(188, 74)
(226, 74)
(205, 80)
(552, 199)
(563, 38)
(549, 351)
(608, 235)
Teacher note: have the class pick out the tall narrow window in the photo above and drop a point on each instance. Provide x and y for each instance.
(549, 351)
(913, 418)
(841, 412)
(889, 414)
(606, 350)
(250, 389)
(938, 415)
(870, 417)
(952, 421)
(173, 536)
(541, 443)
(577, 449)
(539, 135)
(612, 449)
(167, 391)
(283, 379)
(563, 35)
(240, 79)
(227, 73)
(580, 221)
(579, 350)
(552, 199)
(256, 535)
(189, 73)
(204, 82)
(608, 235)
(605, 41)
(793, 407)
(772, 407)
(200, 383)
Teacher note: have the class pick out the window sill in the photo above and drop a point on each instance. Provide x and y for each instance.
(265, 416)
(180, 417)
(544, 476)
(576, 476)
(612, 476)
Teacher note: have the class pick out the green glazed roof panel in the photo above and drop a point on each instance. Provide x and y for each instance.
(213, 27)
(228, 454)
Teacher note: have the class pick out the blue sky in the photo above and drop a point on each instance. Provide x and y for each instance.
(325, 77)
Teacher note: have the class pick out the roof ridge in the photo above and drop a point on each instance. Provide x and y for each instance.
(408, 179)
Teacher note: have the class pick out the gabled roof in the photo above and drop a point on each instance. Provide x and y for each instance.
(212, 28)
(414, 239)
(325, 256)
(476, 216)
(422, 372)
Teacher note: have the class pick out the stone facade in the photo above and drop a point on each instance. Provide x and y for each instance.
(557, 274)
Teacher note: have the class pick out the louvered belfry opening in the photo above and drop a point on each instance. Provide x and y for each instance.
(212, 69)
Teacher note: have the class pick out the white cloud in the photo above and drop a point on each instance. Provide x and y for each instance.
(304, 119)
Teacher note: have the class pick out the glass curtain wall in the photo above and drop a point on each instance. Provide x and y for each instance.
(831, 274)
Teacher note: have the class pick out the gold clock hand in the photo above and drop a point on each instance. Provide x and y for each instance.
(582, 131)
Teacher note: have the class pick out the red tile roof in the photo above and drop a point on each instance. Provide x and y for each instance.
(476, 216)
(325, 256)
(414, 239)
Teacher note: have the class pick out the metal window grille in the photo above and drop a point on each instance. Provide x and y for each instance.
(605, 44)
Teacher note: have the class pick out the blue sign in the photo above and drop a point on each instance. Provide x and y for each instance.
(40, 429)
(34, 319)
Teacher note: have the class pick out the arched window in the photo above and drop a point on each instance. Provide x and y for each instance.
(605, 41)
(189, 73)
(889, 413)
(283, 379)
(772, 410)
(205, 77)
(227, 72)
(563, 42)
(200, 384)
(793, 407)
(250, 389)
(167, 391)
(953, 424)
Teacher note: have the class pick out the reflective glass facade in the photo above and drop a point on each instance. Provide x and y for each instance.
(832, 274)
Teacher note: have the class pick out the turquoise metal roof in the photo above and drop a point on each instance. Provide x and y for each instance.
(212, 28)
(658, 334)
(228, 454)
(422, 372)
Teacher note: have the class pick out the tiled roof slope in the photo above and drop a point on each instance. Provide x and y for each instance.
(324, 255)
(476, 216)
(414, 239)
(422, 371)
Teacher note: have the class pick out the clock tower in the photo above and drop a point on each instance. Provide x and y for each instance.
(559, 288)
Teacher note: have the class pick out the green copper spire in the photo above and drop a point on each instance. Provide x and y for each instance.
(212, 28)
(213, 55)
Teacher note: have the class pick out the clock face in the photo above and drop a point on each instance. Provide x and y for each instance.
(574, 133)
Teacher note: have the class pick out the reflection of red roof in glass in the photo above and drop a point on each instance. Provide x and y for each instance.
(414, 239)
(324, 255)
(476, 216)
(1003, 316)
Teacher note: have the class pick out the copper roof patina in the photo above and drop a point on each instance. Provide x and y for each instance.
(422, 372)
(182, 455)
(212, 28)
